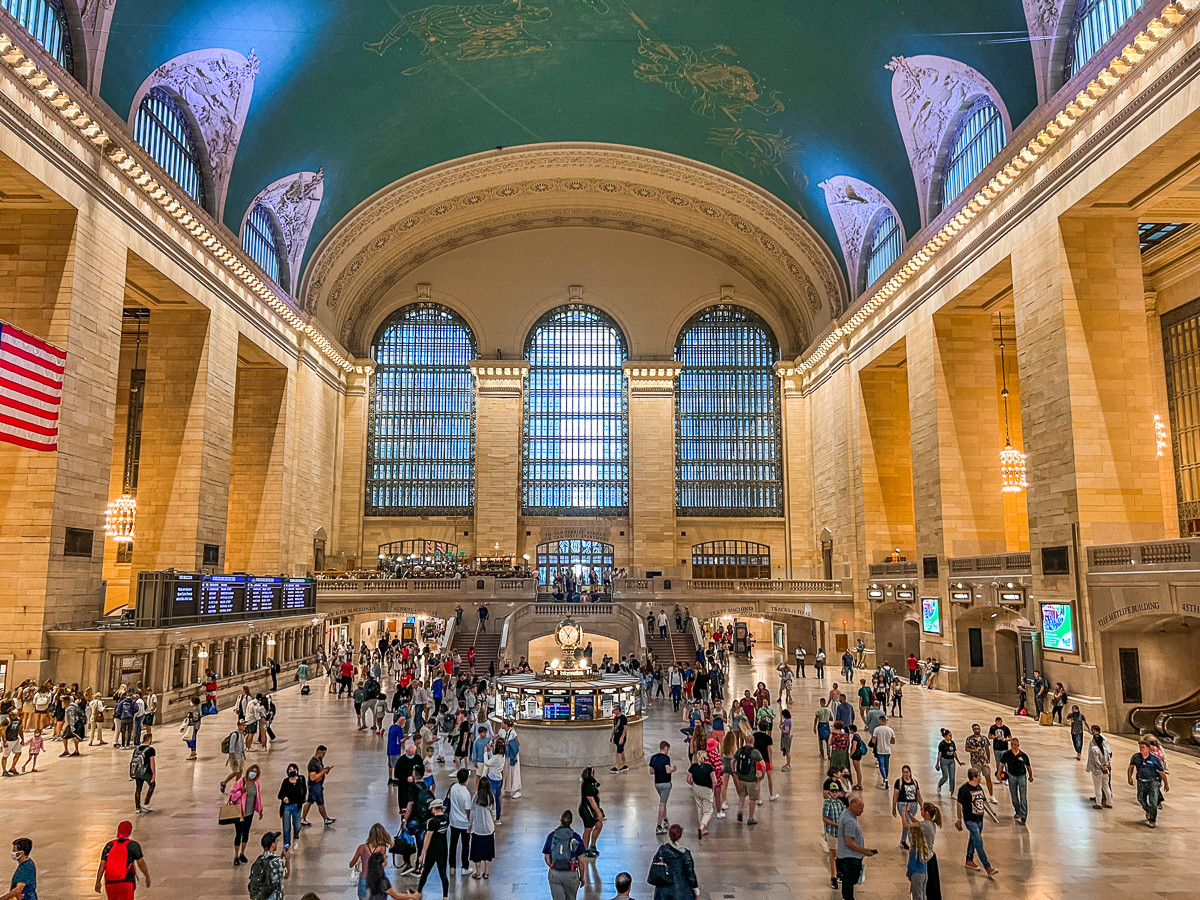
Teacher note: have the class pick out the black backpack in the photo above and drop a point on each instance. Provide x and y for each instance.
(744, 766)
(260, 886)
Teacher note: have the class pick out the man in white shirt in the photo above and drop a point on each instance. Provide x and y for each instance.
(459, 812)
(800, 654)
(883, 739)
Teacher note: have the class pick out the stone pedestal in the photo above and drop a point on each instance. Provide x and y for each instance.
(573, 746)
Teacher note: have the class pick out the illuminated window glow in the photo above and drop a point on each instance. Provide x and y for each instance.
(978, 139)
(576, 433)
(46, 22)
(260, 241)
(421, 430)
(887, 242)
(1093, 26)
(728, 458)
(163, 131)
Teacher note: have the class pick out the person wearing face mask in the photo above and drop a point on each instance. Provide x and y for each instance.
(24, 880)
(247, 794)
(293, 791)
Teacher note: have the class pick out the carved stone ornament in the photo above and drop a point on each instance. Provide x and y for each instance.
(1046, 26)
(928, 93)
(95, 19)
(215, 86)
(294, 200)
(854, 207)
(573, 184)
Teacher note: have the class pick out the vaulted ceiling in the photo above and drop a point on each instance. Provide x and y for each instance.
(787, 93)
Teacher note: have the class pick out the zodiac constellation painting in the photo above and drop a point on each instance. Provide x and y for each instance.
(469, 32)
(711, 79)
(745, 150)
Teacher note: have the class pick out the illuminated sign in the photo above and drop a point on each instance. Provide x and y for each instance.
(931, 615)
(1011, 597)
(904, 595)
(875, 595)
(963, 596)
(1058, 627)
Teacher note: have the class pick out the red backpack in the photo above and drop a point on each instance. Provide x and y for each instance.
(117, 864)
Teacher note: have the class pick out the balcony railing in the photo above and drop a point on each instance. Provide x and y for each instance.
(1151, 555)
(471, 588)
(632, 588)
(906, 570)
(995, 564)
(574, 610)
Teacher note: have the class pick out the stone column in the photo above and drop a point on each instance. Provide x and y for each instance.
(802, 557)
(257, 531)
(651, 466)
(187, 439)
(1158, 384)
(1087, 405)
(63, 283)
(499, 390)
(885, 450)
(351, 490)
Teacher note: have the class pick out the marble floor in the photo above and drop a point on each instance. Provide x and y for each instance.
(73, 806)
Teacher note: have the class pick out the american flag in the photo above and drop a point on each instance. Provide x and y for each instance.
(31, 379)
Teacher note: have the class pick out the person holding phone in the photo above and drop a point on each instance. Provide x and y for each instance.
(317, 770)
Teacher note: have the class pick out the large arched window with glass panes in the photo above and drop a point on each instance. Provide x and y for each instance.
(1092, 26)
(976, 140)
(162, 128)
(421, 425)
(887, 242)
(728, 451)
(46, 22)
(576, 430)
(260, 238)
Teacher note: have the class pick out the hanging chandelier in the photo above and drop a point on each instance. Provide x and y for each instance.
(120, 514)
(1012, 460)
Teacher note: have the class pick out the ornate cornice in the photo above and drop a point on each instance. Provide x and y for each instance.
(651, 377)
(576, 184)
(499, 379)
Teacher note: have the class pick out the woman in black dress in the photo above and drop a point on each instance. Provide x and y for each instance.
(590, 811)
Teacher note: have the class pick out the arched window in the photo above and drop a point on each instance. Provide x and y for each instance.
(421, 426)
(1094, 24)
(887, 242)
(163, 131)
(260, 239)
(977, 140)
(46, 22)
(728, 456)
(731, 559)
(576, 418)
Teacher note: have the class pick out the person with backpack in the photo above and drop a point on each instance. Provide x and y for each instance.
(672, 871)
(435, 850)
(124, 714)
(747, 773)
(143, 769)
(190, 727)
(119, 861)
(234, 748)
(269, 871)
(561, 851)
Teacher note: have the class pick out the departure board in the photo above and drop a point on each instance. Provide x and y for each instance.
(172, 597)
(223, 595)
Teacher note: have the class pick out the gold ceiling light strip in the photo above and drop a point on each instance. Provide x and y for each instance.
(31, 73)
(1156, 30)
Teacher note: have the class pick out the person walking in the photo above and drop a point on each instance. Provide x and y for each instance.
(785, 740)
(660, 764)
(482, 827)
(848, 667)
(190, 729)
(747, 773)
(458, 809)
(700, 777)
(1078, 722)
(269, 870)
(493, 765)
(947, 760)
(436, 850)
(590, 812)
(293, 791)
(672, 870)
(561, 851)
(819, 664)
(832, 806)
(143, 770)
(821, 727)
(619, 734)
(906, 801)
(512, 757)
(972, 804)
(1099, 766)
(897, 700)
(928, 823)
(247, 794)
(1151, 780)
(882, 741)
(24, 880)
(1019, 771)
(851, 848)
(979, 752)
(483, 619)
(120, 861)
(235, 753)
(317, 772)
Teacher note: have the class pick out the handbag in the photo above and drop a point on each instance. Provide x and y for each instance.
(659, 875)
(229, 812)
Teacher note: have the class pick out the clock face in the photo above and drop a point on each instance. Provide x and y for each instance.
(569, 635)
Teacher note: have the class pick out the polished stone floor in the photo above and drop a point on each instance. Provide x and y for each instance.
(1067, 849)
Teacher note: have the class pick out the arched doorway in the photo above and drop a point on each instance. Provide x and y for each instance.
(591, 562)
(989, 661)
(897, 634)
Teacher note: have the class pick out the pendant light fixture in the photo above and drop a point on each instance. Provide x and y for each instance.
(1012, 460)
(120, 515)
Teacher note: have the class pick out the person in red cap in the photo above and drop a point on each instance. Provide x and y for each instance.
(117, 862)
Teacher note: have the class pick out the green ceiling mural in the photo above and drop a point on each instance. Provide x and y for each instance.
(786, 93)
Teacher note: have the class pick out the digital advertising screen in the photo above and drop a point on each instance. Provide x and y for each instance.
(931, 615)
(1058, 627)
